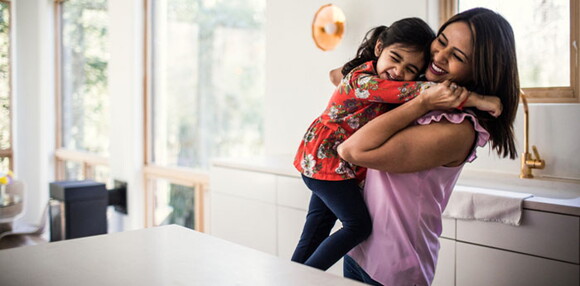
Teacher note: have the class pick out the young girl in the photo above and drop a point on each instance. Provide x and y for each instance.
(388, 58)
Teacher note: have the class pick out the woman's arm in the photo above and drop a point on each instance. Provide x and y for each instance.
(388, 143)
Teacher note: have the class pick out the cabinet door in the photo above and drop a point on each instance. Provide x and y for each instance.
(483, 266)
(241, 183)
(543, 234)
(292, 192)
(445, 271)
(243, 221)
(290, 224)
(448, 228)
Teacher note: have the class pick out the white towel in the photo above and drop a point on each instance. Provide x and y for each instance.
(486, 205)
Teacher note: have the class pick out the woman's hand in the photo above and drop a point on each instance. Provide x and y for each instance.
(445, 95)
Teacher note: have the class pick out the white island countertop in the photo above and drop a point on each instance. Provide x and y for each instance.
(551, 195)
(165, 255)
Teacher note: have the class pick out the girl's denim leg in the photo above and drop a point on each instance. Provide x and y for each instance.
(344, 200)
(319, 222)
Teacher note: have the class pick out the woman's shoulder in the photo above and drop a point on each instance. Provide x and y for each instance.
(461, 123)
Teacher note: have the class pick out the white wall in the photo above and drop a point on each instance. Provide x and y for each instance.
(33, 86)
(126, 97)
(554, 130)
(297, 85)
(298, 88)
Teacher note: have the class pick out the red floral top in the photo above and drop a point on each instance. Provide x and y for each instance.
(359, 98)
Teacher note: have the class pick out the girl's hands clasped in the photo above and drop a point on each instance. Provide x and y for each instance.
(445, 95)
(448, 95)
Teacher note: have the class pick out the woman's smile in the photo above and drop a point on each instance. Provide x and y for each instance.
(436, 70)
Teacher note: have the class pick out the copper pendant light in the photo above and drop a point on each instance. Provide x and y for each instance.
(328, 27)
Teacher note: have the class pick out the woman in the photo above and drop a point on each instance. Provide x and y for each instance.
(416, 156)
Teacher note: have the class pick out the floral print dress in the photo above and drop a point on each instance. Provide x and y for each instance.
(359, 98)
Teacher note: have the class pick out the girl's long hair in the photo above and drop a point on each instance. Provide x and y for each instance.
(413, 33)
(495, 72)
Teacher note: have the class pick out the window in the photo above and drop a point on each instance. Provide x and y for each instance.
(82, 98)
(546, 34)
(174, 204)
(6, 160)
(205, 90)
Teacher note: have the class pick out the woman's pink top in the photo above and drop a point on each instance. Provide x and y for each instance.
(406, 212)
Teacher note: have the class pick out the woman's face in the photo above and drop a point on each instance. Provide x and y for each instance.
(451, 55)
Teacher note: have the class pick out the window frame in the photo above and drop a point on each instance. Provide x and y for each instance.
(197, 179)
(571, 94)
(62, 155)
(9, 153)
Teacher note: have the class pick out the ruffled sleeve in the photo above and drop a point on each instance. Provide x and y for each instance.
(458, 117)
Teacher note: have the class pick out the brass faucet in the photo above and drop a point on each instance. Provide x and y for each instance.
(528, 162)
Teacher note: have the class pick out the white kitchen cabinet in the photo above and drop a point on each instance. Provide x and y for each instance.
(264, 206)
(290, 223)
(484, 266)
(445, 270)
(543, 250)
(256, 186)
(543, 234)
(244, 221)
(292, 192)
(448, 228)
(260, 210)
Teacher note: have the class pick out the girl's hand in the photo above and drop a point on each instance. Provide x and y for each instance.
(335, 76)
(489, 103)
(445, 95)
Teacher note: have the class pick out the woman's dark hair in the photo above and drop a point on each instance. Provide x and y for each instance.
(495, 72)
(411, 32)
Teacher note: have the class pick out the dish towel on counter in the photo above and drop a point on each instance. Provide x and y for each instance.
(486, 205)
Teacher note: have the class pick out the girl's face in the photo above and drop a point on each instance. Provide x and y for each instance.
(451, 55)
(396, 62)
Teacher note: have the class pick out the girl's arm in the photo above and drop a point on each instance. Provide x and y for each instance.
(388, 143)
(363, 84)
(491, 104)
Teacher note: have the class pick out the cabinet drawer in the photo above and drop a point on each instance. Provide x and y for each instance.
(448, 228)
(543, 234)
(292, 192)
(483, 266)
(246, 184)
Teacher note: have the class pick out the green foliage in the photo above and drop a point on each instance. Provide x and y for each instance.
(4, 76)
(85, 75)
(211, 67)
(182, 201)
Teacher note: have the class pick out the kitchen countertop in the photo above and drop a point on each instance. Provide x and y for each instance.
(550, 195)
(165, 255)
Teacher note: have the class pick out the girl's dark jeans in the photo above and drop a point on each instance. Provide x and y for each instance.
(331, 200)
